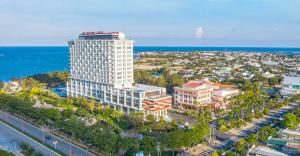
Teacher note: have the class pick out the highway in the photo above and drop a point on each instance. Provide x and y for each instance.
(60, 144)
(18, 137)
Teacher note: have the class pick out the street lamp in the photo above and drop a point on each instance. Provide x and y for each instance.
(43, 133)
(158, 148)
(70, 150)
(55, 143)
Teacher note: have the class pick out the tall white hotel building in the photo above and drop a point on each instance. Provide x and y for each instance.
(101, 67)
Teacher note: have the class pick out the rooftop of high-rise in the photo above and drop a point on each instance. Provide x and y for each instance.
(101, 35)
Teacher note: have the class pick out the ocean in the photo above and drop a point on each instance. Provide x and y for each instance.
(16, 62)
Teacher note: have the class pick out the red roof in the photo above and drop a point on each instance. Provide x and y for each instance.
(99, 32)
(224, 85)
(194, 84)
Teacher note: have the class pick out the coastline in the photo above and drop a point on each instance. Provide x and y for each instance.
(22, 61)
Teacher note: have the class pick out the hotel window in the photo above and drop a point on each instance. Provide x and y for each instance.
(128, 101)
(137, 95)
(128, 93)
(136, 103)
(119, 73)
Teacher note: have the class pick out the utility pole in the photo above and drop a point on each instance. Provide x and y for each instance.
(6, 116)
(22, 123)
(70, 150)
(43, 133)
(243, 116)
(158, 148)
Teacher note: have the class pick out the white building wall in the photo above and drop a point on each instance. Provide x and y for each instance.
(99, 68)
(291, 85)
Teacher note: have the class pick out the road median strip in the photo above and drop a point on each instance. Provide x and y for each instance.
(50, 148)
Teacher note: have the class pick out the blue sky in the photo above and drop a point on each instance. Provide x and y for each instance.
(273, 23)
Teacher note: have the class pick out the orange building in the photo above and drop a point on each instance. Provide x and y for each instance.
(157, 106)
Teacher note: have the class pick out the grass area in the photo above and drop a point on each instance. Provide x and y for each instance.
(4, 153)
(67, 106)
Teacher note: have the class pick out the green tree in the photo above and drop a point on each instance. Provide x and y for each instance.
(91, 105)
(266, 111)
(149, 145)
(131, 145)
(1, 84)
(241, 146)
(230, 153)
(137, 119)
(272, 81)
(215, 153)
(66, 113)
(51, 113)
(252, 139)
(290, 121)
(222, 125)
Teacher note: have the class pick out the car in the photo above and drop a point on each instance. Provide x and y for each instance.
(48, 137)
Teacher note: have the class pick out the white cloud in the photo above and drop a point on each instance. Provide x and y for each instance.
(199, 32)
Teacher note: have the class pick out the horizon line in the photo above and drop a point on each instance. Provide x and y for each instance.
(179, 46)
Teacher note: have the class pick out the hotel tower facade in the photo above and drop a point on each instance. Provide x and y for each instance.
(101, 67)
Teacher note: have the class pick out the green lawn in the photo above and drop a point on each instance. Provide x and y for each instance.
(4, 153)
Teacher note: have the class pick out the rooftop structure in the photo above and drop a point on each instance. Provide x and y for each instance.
(264, 151)
(291, 85)
(100, 35)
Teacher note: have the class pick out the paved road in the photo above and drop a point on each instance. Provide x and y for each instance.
(46, 137)
(258, 125)
(229, 139)
(17, 137)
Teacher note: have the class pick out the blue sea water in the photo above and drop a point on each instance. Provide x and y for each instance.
(18, 62)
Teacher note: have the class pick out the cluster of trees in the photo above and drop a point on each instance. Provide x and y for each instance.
(253, 103)
(165, 80)
(4, 153)
(21, 106)
(27, 150)
(184, 138)
(52, 79)
(104, 136)
(243, 145)
(44, 80)
(29, 83)
(244, 108)
(291, 120)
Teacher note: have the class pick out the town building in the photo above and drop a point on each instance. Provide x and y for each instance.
(193, 93)
(203, 92)
(291, 85)
(101, 67)
(288, 141)
(222, 93)
(264, 151)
